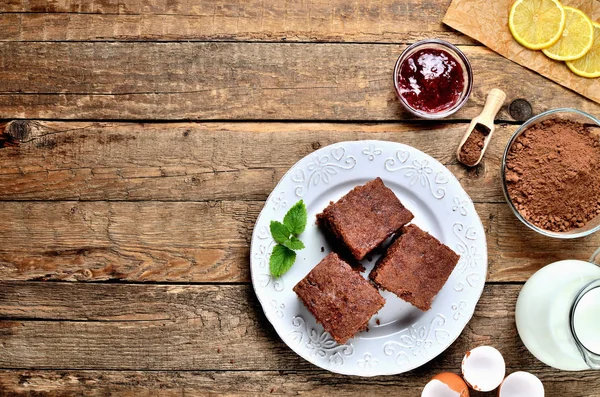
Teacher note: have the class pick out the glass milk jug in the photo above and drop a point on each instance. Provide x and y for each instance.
(558, 314)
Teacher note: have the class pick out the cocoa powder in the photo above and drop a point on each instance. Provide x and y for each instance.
(471, 149)
(553, 174)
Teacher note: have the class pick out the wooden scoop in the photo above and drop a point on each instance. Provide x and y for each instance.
(482, 124)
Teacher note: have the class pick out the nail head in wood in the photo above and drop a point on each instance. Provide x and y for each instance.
(520, 110)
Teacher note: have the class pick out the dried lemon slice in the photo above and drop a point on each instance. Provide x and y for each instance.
(536, 24)
(589, 64)
(577, 37)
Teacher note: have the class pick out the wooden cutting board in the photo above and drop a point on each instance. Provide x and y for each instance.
(487, 22)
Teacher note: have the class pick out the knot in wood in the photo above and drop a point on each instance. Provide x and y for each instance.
(18, 130)
(87, 274)
(15, 132)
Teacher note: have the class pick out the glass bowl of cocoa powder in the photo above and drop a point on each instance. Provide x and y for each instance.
(551, 173)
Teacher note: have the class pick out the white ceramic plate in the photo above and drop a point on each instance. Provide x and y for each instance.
(400, 337)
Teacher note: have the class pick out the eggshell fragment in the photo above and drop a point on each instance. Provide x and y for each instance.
(483, 368)
(446, 384)
(521, 384)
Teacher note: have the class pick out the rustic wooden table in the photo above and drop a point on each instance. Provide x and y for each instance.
(139, 141)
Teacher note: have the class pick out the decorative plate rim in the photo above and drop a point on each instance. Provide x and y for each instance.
(348, 349)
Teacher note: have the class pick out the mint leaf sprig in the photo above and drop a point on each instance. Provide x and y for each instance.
(286, 236)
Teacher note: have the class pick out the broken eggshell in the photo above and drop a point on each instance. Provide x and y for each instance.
(521, 384)
(446, 384)
(483, 368)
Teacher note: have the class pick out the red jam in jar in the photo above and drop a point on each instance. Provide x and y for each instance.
(431, 80)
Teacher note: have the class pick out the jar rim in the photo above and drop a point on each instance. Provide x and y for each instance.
(455, 51)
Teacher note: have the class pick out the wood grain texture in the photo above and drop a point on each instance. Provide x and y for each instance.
(249, 81)
(115, 203)
(181, 242)
(57, 383)
(155, 327)
(202, 242)
(382, 21)
(208, 161)
(206, 328)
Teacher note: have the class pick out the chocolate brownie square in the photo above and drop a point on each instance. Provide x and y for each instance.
(364, 218)
(415, 267)
(339, 297)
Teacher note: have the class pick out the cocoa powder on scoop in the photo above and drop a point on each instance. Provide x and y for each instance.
(471, 149)
(553, 174)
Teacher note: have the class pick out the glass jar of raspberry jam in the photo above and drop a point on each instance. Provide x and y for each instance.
(433, 79)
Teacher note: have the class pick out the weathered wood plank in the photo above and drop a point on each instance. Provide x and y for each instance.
(385, 21)
(205, 241)
(25, 383)
(209, 161)
(208, 328)
(200, 242)
(167, 328)
(153, 327)
(203, 383)
(253, 81)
